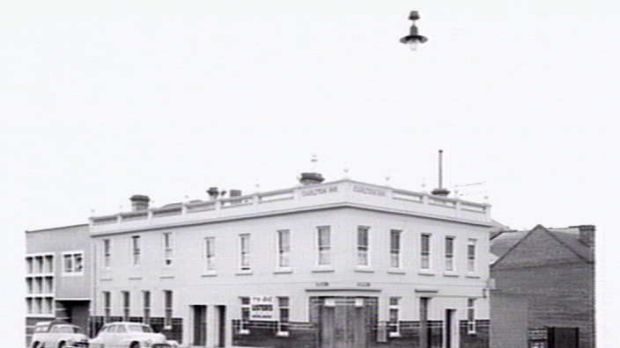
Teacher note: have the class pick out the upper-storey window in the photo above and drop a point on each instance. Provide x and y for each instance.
(73, 263)
(324, 245)
(471, 255)
(362, 246)
(284, 248)
(210, 253)
(244, 240)
(107, 252)
(395, 248)
(425, 251)
(135, 250)
(449, 254)
(168, 248)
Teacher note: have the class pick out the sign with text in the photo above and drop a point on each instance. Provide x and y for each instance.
(262, 308)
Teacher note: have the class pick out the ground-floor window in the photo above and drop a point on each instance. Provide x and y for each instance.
(283, 307)
(394, 310)
(471, 316)
(245, 315)
(167, 309)
(107, 302)
(146, 302)
(126, 305)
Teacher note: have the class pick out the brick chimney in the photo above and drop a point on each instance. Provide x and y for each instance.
(139, 202)
(586, 234)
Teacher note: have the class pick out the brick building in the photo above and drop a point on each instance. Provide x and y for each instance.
(337, 264)
(553, 270)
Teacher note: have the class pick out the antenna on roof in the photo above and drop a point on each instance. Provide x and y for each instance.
(440, 191)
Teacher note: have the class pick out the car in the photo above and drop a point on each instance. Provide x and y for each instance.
(50, 334)
(130, 335)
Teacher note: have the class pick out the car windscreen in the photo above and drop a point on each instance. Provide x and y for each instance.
(65, 329)
(138, 328)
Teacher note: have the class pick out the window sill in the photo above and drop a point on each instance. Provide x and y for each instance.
(323, 270)
(396, 271)
(364, 269)
(135, 278)
(472, 276)
(282, 334)
(394, 334)
(450, 274)
(209, 274)
(426, 272)
(244, 332)
(244, 272)
(166, 277)
(283, 271)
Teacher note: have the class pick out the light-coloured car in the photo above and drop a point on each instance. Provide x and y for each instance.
(57, 335)
(130, 335)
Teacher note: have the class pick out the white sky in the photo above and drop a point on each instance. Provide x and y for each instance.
(101, 101)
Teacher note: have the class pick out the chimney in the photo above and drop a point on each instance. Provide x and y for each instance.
(440, 191)
(311, 178)
(139, 202)
(213, 193)
(586, 234)
(235, 193)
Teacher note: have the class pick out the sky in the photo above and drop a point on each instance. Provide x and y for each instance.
(100, 101)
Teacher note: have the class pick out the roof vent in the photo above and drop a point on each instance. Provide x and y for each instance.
(311, 178)
(213, 193)
(139, 202)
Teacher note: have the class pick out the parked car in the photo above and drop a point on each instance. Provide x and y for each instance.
(130, 335)
(50, 334)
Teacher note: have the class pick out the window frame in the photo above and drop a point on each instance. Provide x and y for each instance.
(136, 250)
(244, 307)
(72, 272)
(168, 308)
(425, 255)
(471, 255)
(107, 305)
(449, 258)
(283, 326)
(362, 252)
(245, 264)
(471, 316)
(396, 251)
(107, 253)
(394, 327)
(168, 248)
(126, 304)
(282, 254)
(210, 255)
(146, 306)
(324, 250)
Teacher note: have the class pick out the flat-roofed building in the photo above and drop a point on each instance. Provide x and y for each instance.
(58, 283)
(336, 264)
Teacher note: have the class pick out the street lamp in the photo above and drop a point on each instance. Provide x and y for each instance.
(413, 39)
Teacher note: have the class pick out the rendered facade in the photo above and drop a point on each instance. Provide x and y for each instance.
(58, 282)
(339, 264)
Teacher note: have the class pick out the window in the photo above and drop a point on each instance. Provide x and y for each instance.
(425, 251)
(73, 263)
(168, 249)
(245, 252)
(167, 308)
(362, 246)
(471, 316)
(283, 307)
(146, 305)
(324, 245)
(284, 248)
(245, 315)
(107, 304)
(471, 255)
(394, 308)
(449, 254)
(126, 305)
(135, 250)
(395, 248)
(106, 253)
(210, 253)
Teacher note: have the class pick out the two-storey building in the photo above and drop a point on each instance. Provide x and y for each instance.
(58, 283)
(336, 264)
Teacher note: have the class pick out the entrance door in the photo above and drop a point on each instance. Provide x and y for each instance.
(220, 329)
(343, 323)
(200, 325)
(451, 330)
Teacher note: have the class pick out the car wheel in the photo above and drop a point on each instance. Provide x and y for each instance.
(62, 345)
(135, 345)
(36, 345)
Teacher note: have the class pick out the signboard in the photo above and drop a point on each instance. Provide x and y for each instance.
(262, 308)
(319, 191)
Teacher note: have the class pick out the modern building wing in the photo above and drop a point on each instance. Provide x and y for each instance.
(332, 264)
(58, 280)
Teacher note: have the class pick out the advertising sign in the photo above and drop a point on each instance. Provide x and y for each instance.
(262, 308)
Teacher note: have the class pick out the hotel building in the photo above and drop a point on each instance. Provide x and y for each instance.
(334, 264)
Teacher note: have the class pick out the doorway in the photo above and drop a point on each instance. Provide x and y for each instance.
(220, 326)
(451, 330)
(200, 325)
(343, 323)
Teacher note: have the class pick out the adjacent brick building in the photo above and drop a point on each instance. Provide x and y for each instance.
(553, 270)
